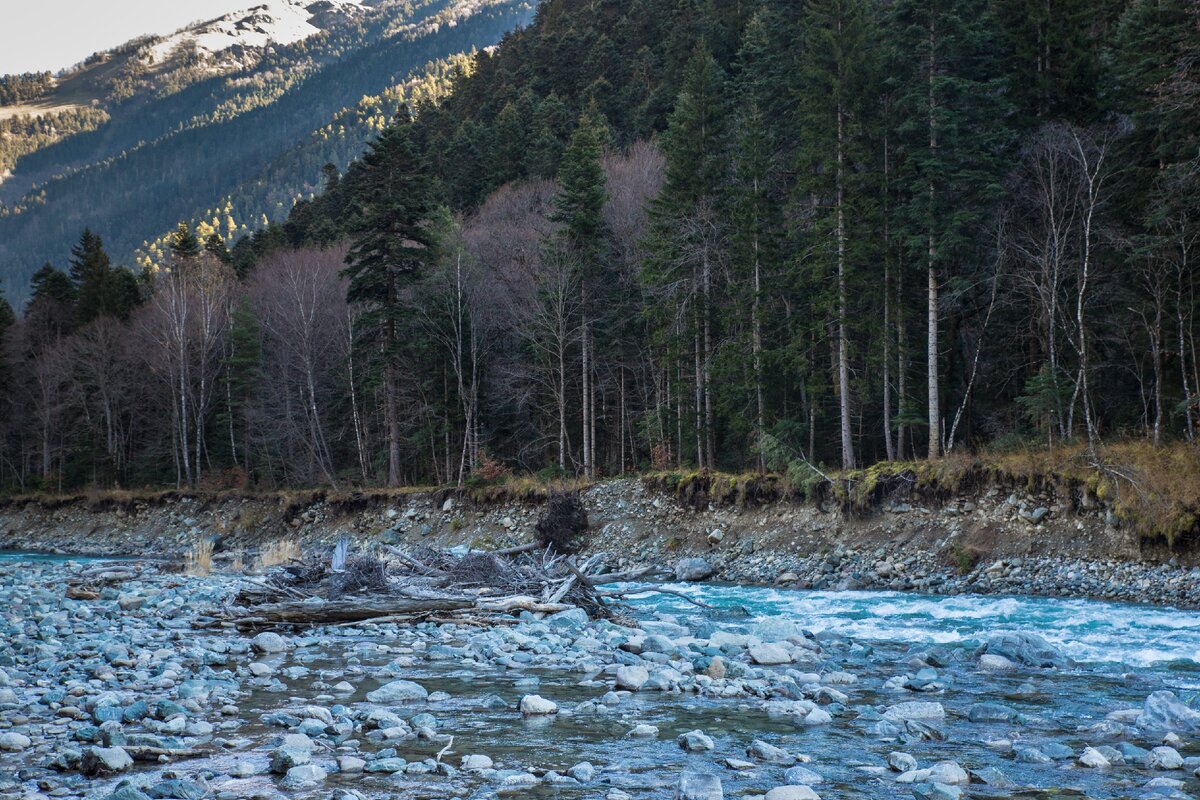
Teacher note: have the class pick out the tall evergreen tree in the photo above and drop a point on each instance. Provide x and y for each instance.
(688, 226)
(391, 244)
(578, 208)
(837, 87)
(953, 138)
(91, 272)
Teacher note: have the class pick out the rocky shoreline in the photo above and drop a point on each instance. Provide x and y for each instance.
(122, 689)
(991, 542)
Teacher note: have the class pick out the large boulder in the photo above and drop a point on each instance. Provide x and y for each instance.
(1164, 711)
(699, 786)
(398, 692)
(1027, 649)
(693, 569)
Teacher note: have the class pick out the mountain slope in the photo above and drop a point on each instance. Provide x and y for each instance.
(194, 123)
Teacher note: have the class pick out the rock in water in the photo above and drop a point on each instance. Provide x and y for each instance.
(1164, 711)
(1027, 649)
(915, 710)
(695, 741)
(533, 705)
(1093, 758)
(699, 786)
(792, 793)
(398, 692)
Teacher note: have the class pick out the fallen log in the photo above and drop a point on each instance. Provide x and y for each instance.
(358, 609)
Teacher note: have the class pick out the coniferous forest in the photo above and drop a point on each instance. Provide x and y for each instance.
(648, 234)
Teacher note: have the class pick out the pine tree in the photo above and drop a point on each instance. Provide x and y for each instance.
(391, 243)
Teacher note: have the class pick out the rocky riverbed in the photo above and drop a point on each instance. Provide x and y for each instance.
(131, 695)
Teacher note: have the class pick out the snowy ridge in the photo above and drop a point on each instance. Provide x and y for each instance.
(271, 22)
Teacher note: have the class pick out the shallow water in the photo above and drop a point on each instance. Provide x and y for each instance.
(1122, 654)
(1087, 630)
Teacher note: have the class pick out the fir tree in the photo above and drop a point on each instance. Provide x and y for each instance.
(391, 244)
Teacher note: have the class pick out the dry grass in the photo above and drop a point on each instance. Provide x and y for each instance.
(280, 551)
(199, 558)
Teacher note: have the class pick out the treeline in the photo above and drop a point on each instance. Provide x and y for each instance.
(22, 88)
(653, 233)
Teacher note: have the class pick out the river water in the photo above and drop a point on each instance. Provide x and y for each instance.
(1121, 654)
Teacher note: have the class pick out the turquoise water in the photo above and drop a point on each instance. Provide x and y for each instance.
(1088, 631)
(53, 558)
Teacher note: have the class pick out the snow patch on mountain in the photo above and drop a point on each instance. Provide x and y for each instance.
(271, 22)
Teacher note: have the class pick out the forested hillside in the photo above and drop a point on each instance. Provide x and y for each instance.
(243, 131)
(663, 233)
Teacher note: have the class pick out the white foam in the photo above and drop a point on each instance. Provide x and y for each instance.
(1086, 630)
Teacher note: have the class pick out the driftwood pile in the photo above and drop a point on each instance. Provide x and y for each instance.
(427, 584)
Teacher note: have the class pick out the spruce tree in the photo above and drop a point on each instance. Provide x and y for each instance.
(688, 229)
(184, 245)
(91, 273)
(836, 91)
(954, 140)
(391, 243)
(578, 208)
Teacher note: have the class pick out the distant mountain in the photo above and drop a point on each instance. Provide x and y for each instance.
(225, 123)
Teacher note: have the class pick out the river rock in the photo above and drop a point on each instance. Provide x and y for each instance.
(802, 776)
(797, 792)
(398, 692)
(770, 654)
(936, 791)
(1164, 758)
(991, 662)
(695, 741)
(582, 772)
(643, 731)
(295, 750)
(632, 677)
(1164, 711)
(949, 773)
(1093, 758)
(476, 762)
(693, 569)
(14, 742)
(303, 775)
(268, 642)
(351, 765)
(991, 712)
(1027, 649)
(535, 705)
(918, 710)
(699, 786)
(105, 761)
(764, 751)
(901, 762)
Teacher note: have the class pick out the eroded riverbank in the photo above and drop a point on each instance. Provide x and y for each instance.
(850, 695)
